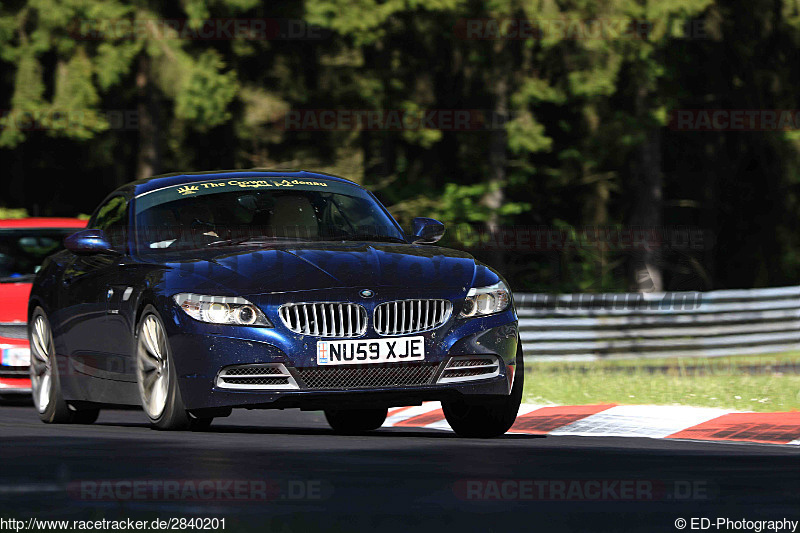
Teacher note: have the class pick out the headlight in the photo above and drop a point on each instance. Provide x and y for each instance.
(221, 310)
(486, 300)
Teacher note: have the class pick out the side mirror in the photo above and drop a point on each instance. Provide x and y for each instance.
(89, 241)
(427, 230)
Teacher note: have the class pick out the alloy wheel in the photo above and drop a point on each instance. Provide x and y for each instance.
(152, 366)
(41, 363)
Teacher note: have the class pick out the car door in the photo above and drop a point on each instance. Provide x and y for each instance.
(89, 287)
(118, 343)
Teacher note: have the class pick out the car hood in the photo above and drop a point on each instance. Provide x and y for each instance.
(310, 266)
(14, 302)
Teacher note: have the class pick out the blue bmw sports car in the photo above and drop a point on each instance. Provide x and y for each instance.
(192, 294)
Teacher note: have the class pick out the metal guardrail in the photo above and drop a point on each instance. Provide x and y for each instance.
(587, 327)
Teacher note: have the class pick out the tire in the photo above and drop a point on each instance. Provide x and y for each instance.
(200, 424)
(45, 381)
(157, 378)
(355, 421)
(487, 417)
(85, 416)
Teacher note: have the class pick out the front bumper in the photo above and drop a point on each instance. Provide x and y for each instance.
(15, 385)
(341, 399)
(201, 351)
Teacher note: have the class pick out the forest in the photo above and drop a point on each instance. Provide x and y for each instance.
(575, 145)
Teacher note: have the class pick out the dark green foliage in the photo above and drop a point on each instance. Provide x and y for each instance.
(565, 125)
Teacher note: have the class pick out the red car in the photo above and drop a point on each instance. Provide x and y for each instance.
(24, 243)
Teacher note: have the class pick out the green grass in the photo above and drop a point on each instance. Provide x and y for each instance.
(705, 382)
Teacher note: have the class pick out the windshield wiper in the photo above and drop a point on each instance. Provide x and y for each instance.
(249, 240)
(269, 240)
(374, 238)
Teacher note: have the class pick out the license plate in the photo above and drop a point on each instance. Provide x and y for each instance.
(16, 357)
(366, 351)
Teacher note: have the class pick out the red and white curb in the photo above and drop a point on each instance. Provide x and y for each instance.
(609, 420)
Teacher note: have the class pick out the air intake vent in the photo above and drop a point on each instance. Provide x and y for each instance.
(267, 376)
(368, 376)
(403, 317)
(470, 367)
(325, 319)
(14, 331)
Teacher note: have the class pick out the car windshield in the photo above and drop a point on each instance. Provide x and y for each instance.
(255, 211)
(23, 250)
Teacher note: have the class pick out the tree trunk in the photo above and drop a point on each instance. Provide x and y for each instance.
(498, 159)
(648, 204)
(148, 160)
(596, 216)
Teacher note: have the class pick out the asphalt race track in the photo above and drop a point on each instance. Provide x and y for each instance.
(392, 480)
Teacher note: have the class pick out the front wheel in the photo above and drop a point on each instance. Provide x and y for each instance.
(157, 378)
(487, 417)
(354, 421)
